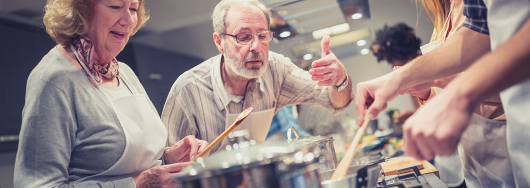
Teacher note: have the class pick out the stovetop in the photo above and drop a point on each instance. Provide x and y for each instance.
(412, 179)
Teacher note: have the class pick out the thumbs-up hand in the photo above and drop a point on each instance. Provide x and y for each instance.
(328, 70)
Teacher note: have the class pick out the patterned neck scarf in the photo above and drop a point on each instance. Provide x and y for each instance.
(85, 49)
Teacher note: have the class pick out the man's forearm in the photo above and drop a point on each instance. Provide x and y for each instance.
(453, 56)
(507, 65)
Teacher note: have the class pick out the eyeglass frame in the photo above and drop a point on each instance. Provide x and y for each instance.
(257, 34)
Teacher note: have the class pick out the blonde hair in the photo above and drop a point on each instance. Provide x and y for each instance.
(220, 10)
(438, 11)
(66, 20)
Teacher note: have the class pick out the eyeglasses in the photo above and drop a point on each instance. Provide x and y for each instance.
(246, 38)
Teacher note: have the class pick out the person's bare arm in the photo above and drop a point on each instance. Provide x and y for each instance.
(500, 69)
(454, 56)
(435, 129)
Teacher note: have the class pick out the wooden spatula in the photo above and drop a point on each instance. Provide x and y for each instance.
(344, 164)
(239, 119)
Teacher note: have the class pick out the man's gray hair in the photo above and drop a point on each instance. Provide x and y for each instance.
(219, 13)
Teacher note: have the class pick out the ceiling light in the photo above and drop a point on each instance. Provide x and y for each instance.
(308, 56)
(341, 28)
(356, 16)
(365, 51)
(333, 30)
(318, 34)
(285, 34)
(361, 42)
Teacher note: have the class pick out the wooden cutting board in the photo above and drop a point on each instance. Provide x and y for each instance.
(392, 166)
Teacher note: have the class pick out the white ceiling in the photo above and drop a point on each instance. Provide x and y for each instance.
(184, 26)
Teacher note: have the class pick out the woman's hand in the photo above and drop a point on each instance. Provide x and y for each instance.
(177, 158)
(160, 176)
(184, 150)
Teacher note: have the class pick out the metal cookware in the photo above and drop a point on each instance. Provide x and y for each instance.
(246, 164)
(325, 144)
(358, 176)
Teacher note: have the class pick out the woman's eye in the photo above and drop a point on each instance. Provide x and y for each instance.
(135, 10)
(114, 7)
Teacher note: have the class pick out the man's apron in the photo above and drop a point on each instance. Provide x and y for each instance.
(257, 124)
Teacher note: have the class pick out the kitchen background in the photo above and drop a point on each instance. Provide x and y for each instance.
(179, 36)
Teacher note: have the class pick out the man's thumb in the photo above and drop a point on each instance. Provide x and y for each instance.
(325, 45)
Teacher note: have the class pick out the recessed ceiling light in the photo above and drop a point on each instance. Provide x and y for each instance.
(285, 34)
(365, 51)
(308, 56)
(356, 16)
(361, 42)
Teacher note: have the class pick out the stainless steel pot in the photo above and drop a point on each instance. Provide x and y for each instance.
(325, 144)
(363, 172)
(276, 164)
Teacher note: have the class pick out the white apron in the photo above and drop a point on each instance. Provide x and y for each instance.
(450, 168)
(505, 17)
(145, 138)
(257, 124)
(484, 154)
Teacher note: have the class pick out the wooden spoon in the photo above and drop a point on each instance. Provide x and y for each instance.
(239, 119)
(344, 164)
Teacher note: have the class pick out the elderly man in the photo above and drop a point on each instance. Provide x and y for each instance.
(205, 100)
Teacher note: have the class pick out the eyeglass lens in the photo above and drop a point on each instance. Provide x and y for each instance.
(265, 36)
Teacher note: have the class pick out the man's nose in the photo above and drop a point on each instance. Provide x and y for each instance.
(255, 44)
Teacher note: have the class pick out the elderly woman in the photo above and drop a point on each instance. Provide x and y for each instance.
(87, 120)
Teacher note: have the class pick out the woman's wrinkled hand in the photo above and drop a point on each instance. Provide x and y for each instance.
(160, 176)
(184, 150)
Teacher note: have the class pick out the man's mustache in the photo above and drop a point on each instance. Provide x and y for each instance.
(254, 56)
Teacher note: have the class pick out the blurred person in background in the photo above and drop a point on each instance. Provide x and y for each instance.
(397, 45)
(283, 120)
(87, 120)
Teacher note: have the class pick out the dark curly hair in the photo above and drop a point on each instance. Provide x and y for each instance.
(395, 43)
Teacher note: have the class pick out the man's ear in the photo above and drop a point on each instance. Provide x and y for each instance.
(217, 40)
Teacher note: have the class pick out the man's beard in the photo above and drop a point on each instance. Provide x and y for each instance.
(239, 66)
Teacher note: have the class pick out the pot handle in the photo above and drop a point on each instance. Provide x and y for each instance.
(289, 134)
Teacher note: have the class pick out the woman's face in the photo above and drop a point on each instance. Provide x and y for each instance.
(111, 25)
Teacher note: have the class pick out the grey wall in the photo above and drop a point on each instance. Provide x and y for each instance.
(158, 69)
(7, 161)
(21, 48)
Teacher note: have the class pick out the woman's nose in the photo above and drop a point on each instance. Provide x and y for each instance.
(128, 18)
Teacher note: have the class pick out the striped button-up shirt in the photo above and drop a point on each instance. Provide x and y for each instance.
(198, 101)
